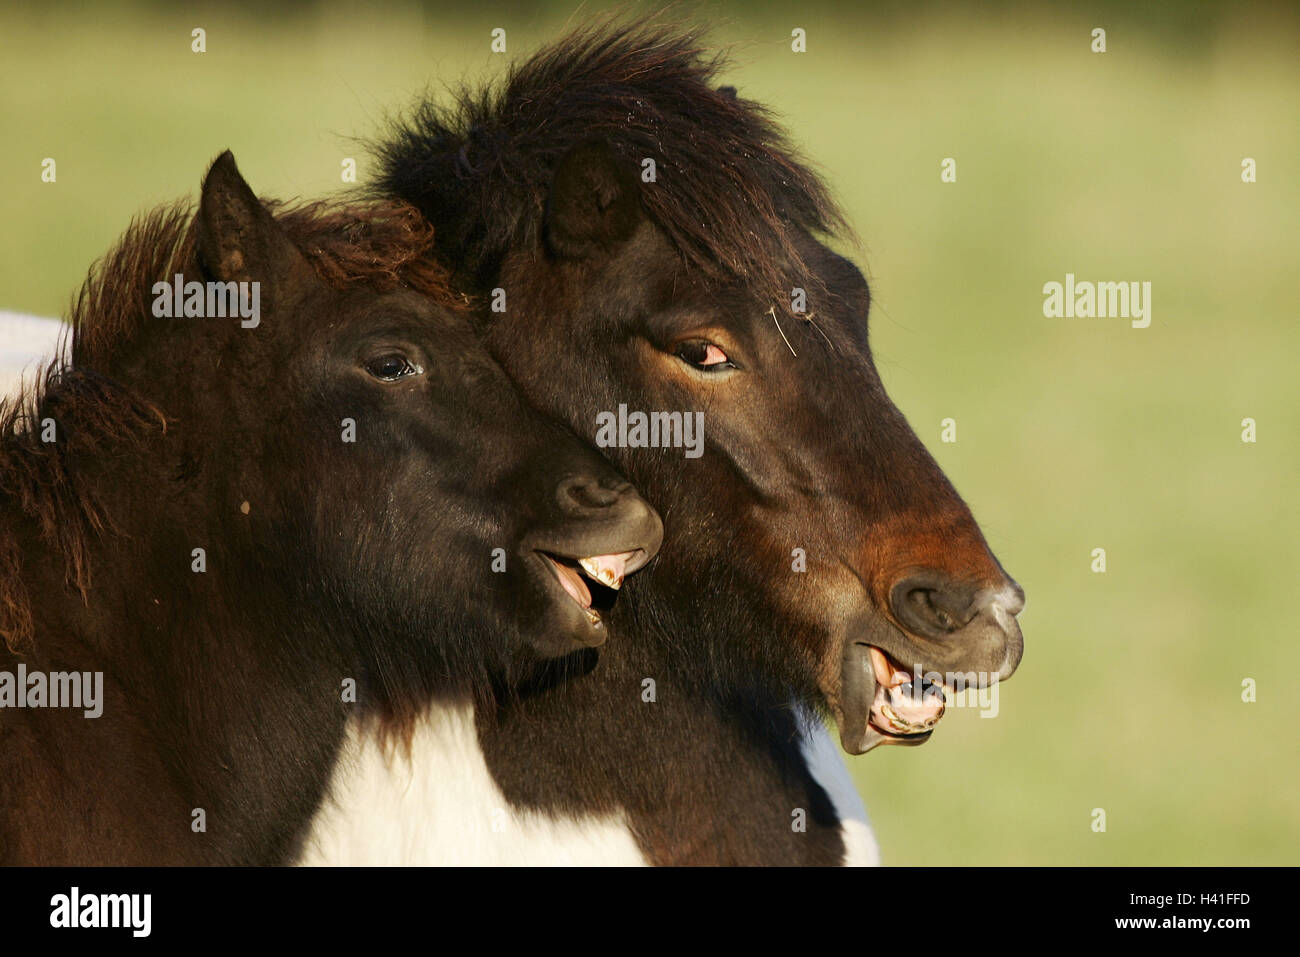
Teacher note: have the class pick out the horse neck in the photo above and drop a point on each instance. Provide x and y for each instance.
(209, 684)
(699, 778)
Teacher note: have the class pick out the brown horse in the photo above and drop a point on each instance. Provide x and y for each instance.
(240, 547)
(647, 244)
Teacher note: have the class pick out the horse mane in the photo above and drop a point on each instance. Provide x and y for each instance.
(381, 244)
(732, 194)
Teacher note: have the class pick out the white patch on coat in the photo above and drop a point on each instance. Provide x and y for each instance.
(27, 343)
(826, 764)
(442, 807)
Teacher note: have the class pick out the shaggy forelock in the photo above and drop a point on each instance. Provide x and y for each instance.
(730, 191)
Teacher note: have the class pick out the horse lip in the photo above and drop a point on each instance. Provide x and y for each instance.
(857, 691)
(638, 541)
(876, 737)
(638, 558)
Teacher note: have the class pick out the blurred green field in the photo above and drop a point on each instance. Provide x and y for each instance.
(1072, 434)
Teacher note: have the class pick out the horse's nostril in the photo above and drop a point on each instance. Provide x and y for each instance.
(931, 604)
(921, 609)
(582, 493)
(599, 517)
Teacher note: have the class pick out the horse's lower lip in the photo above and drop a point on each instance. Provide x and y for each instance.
(898, 740)
(901, 736)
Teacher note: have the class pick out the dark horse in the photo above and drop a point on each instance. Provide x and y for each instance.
(253, 554)
(641, 238)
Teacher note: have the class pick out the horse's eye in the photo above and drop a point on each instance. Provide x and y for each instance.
(392, 367)
(704, 356)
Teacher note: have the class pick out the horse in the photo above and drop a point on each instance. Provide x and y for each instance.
(274, 504)
(643, 242)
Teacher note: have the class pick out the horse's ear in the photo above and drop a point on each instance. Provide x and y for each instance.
(594, 203)
(238, 238)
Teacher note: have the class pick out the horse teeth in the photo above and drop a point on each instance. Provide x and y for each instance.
(593, 616)
(908, 727)
(601, 574)
(894, 720)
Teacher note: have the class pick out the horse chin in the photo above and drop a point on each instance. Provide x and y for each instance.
(870, 737)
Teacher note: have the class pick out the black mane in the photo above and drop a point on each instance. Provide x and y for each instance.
(731, 192)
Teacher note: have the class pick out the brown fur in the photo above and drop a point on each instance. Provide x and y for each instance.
(382, 245)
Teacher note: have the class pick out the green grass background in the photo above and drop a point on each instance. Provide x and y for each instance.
(1072, 434)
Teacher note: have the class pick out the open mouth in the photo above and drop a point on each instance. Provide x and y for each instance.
(593, 582)
(882, 702)
(903, 707)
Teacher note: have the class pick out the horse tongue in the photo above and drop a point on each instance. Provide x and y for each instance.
(574, 584)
